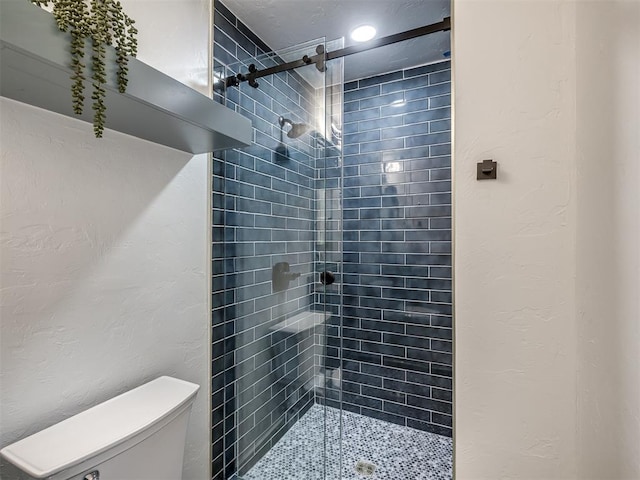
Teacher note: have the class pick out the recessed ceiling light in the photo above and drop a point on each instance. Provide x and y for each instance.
(363, 33)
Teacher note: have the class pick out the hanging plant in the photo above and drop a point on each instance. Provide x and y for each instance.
(103, 23)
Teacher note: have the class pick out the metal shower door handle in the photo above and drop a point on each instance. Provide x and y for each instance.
(327, 278)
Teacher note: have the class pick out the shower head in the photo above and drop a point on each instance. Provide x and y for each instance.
(297, 129)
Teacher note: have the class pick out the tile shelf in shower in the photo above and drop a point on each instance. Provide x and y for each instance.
(34, 60)
(301, 322)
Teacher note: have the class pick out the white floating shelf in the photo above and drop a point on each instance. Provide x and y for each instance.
(34, 69)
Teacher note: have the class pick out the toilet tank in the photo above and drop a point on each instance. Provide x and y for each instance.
(139, 435)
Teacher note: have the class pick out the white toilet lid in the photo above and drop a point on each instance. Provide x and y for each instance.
(100, 428)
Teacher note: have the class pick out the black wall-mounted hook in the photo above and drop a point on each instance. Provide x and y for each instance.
(487, 170)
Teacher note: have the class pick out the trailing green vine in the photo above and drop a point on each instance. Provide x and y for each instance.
(103, 22)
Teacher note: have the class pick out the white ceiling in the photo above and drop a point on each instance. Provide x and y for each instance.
(284, 23)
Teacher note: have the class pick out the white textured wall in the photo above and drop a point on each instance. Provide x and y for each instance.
(608, 239)
(548, 257)
(103, 252)
(514, 101)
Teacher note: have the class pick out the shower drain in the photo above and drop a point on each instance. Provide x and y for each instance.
(365, 468)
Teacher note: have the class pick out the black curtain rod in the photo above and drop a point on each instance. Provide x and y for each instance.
(322, 57)
(443, 26)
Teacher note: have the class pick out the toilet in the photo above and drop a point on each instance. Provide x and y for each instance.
(139, 435)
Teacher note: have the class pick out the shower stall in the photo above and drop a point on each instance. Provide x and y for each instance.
(331, 274)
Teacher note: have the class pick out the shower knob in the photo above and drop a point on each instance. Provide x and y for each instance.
(327, 278)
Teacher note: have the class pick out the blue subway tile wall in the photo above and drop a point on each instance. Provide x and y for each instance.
(263, 214)
(389, 340)
(397, 306)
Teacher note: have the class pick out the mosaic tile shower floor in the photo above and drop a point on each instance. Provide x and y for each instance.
(399, 453)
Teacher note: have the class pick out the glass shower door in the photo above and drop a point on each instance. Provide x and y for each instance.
(276, 270)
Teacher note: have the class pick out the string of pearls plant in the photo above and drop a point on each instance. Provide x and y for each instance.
(103, 22)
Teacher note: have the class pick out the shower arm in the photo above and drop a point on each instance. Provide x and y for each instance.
(322, 57)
